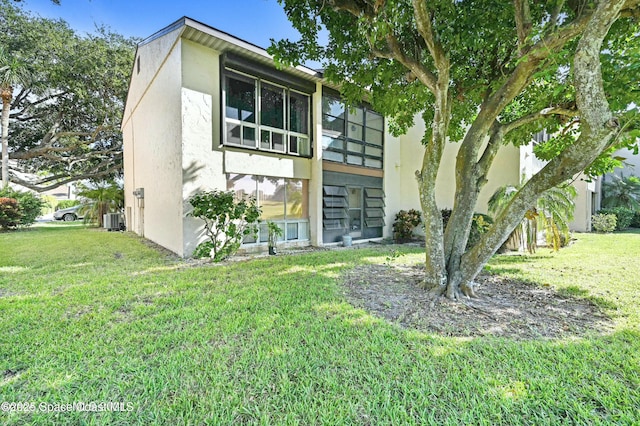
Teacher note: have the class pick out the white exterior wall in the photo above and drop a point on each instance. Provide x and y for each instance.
(152, 148)
(403, 157)
(584, 203)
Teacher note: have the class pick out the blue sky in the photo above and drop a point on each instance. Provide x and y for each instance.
(255, 21)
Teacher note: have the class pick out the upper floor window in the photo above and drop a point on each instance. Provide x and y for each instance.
(265, 116)
(351, 136)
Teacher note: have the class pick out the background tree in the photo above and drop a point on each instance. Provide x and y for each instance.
(100, 199)
(622, 192)
(65, 124)
(12, 73)
(482, 73)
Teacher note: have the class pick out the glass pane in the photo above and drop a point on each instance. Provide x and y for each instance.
(374, 152)
(354, 159)
(373, 136)
(356, 116)
(265, 139)
(355, 221)
(297, 201)
(233, 133)
(299, 113)
(293, 144)
(272, 192)
(355, 132)
(333, 156)
(240, 100)
(374, 120)
(355, 198)
(278, 141)
(332, 125)
(249, 136)
(244, 186)
(304, 147)
(272, 106)
(377, 164)
(332, 106)
(292, 231)
(354, 147)
(333, 143)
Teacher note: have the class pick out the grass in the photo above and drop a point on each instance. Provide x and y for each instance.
(91, 316)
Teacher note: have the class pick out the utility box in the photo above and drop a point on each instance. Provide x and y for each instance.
(112, 221)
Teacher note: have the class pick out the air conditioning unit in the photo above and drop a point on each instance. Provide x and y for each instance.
(112, 221)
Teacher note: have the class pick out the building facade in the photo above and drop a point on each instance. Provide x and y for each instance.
(208, 111)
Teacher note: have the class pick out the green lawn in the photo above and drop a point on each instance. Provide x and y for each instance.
(91, 316)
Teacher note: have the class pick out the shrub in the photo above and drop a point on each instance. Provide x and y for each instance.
(29, 205)
(603, 222)
(624, 216)
(9, 213)
(405, 223)
(226, 221)
(635, 223)
(479, 225)
(65, 204)
(203, 250)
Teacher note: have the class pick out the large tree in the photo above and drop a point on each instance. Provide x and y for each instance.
(482, 73)
(64, 122)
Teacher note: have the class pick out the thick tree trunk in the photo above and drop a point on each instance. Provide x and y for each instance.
(6, 106)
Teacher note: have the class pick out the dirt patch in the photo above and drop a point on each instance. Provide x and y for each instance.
(505, 308)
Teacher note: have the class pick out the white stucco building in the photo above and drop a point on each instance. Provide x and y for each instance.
(208, 111)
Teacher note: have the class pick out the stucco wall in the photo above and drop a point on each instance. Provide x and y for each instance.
(403, 157)
(152, 132)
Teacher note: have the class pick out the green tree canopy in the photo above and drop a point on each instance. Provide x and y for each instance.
(65, 123)
(483, 73)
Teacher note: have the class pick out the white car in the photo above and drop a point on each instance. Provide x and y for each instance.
(69, 214)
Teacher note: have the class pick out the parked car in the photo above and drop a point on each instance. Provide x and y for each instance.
(68, 215)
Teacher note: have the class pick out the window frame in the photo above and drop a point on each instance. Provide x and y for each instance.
(301, 149)
(349, 155)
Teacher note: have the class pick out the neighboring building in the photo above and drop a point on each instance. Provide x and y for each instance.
(208, 111)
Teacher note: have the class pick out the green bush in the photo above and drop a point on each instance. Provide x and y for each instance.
(65, 204)
(203, 250)
(29, 205)
(624, 216)
(479, 225)
(404, 224)
(9, 213)
(227, 221)
(635, 223)
(603, 222)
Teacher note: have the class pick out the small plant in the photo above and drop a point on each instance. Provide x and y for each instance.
(227, 221)
(393, 255)
(603, 222)
(624, 216)
(404, 224)
(29, 205)
(9, 213)
(274, 232)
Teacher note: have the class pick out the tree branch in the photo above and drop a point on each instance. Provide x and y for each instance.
(523, 23)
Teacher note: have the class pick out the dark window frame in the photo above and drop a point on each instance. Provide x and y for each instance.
(291, 142)
(356, 157)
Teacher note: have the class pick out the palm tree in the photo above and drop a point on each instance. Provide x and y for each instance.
(101, 199)
(553, 212)
(12, 73)
(622, 192)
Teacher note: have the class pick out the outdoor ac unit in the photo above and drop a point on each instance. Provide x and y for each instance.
(111, 221)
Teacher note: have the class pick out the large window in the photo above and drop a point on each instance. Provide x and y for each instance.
(265, 116)
(283, 201)
(351, 136)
